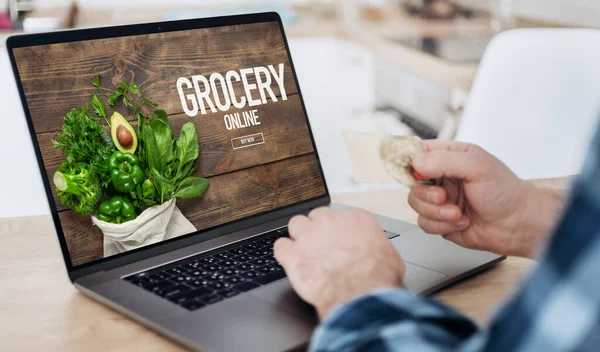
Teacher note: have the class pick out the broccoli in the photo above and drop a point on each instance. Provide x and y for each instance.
(78, 187)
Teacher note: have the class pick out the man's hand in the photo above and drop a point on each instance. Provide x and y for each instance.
(480, 203)
(332, 257)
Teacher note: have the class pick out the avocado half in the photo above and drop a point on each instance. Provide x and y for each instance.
(123, 134)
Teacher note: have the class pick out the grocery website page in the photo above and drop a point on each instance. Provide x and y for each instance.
(150, 137)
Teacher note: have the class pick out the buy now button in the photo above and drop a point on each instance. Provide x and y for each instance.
(247, 141)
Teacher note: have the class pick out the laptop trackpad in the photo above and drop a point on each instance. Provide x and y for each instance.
(418, 278)
(282, 294)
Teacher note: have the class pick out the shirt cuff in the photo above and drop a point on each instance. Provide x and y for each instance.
(365, 318)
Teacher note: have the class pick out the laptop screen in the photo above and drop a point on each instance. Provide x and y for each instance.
(151, 137)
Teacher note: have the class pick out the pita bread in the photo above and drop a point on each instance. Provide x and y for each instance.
(397, 153)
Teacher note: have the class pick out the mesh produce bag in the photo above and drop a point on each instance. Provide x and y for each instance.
(155, 224)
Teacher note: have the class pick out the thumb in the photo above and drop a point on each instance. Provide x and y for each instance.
(451, 164)
(457, 238)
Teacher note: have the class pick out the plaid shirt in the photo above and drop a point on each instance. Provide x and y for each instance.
(557, 308)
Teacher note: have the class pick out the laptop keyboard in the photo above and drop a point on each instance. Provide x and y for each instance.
(208, 278)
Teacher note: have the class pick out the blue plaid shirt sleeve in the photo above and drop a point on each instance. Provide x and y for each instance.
(395, 320)
(557, 308)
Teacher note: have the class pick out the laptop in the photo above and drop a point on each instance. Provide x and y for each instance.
(199, 269)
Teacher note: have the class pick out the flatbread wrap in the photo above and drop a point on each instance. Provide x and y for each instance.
(397, 153)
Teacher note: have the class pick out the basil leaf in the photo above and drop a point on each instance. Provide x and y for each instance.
(164, 186)
(157, 176)
(141, 149)
(141, 122)
(160, 116)
(191, 187)
(152, 159)
(98, 105)
(186, 146)
(187, 170)
(164, 137)
(96, 81)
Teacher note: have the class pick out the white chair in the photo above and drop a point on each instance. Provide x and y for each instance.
(535, 102)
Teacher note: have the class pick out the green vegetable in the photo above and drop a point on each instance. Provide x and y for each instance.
(116, 210)
(163, 135)
(191, 187)
(125, 172)
(165, 187)
(96, 81)
(140, 129)
(78, 187)
(148, 190)
(170, 162)
(186, 151)
(99, 108)
(84, 140)
(129, 93)
(157, 136)
(145, 195)
(164, 164)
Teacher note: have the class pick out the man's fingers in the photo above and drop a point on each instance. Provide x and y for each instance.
(283, 251)
(430, 194)
(299, 225)
(319, 212)
(439, 163)
(447, 212)
(442, 227)
(451, 146)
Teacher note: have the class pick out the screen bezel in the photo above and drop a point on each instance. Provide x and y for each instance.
(146, 252)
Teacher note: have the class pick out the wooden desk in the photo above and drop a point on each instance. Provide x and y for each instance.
(41, 310)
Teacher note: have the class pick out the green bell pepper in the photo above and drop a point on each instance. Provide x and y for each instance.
(116, 210)
(125, 171)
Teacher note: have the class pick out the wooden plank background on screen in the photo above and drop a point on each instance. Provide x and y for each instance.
(282, 171)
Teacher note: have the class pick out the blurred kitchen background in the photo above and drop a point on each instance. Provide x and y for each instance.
(401, 67)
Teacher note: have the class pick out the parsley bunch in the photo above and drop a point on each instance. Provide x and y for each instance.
(84, 140)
